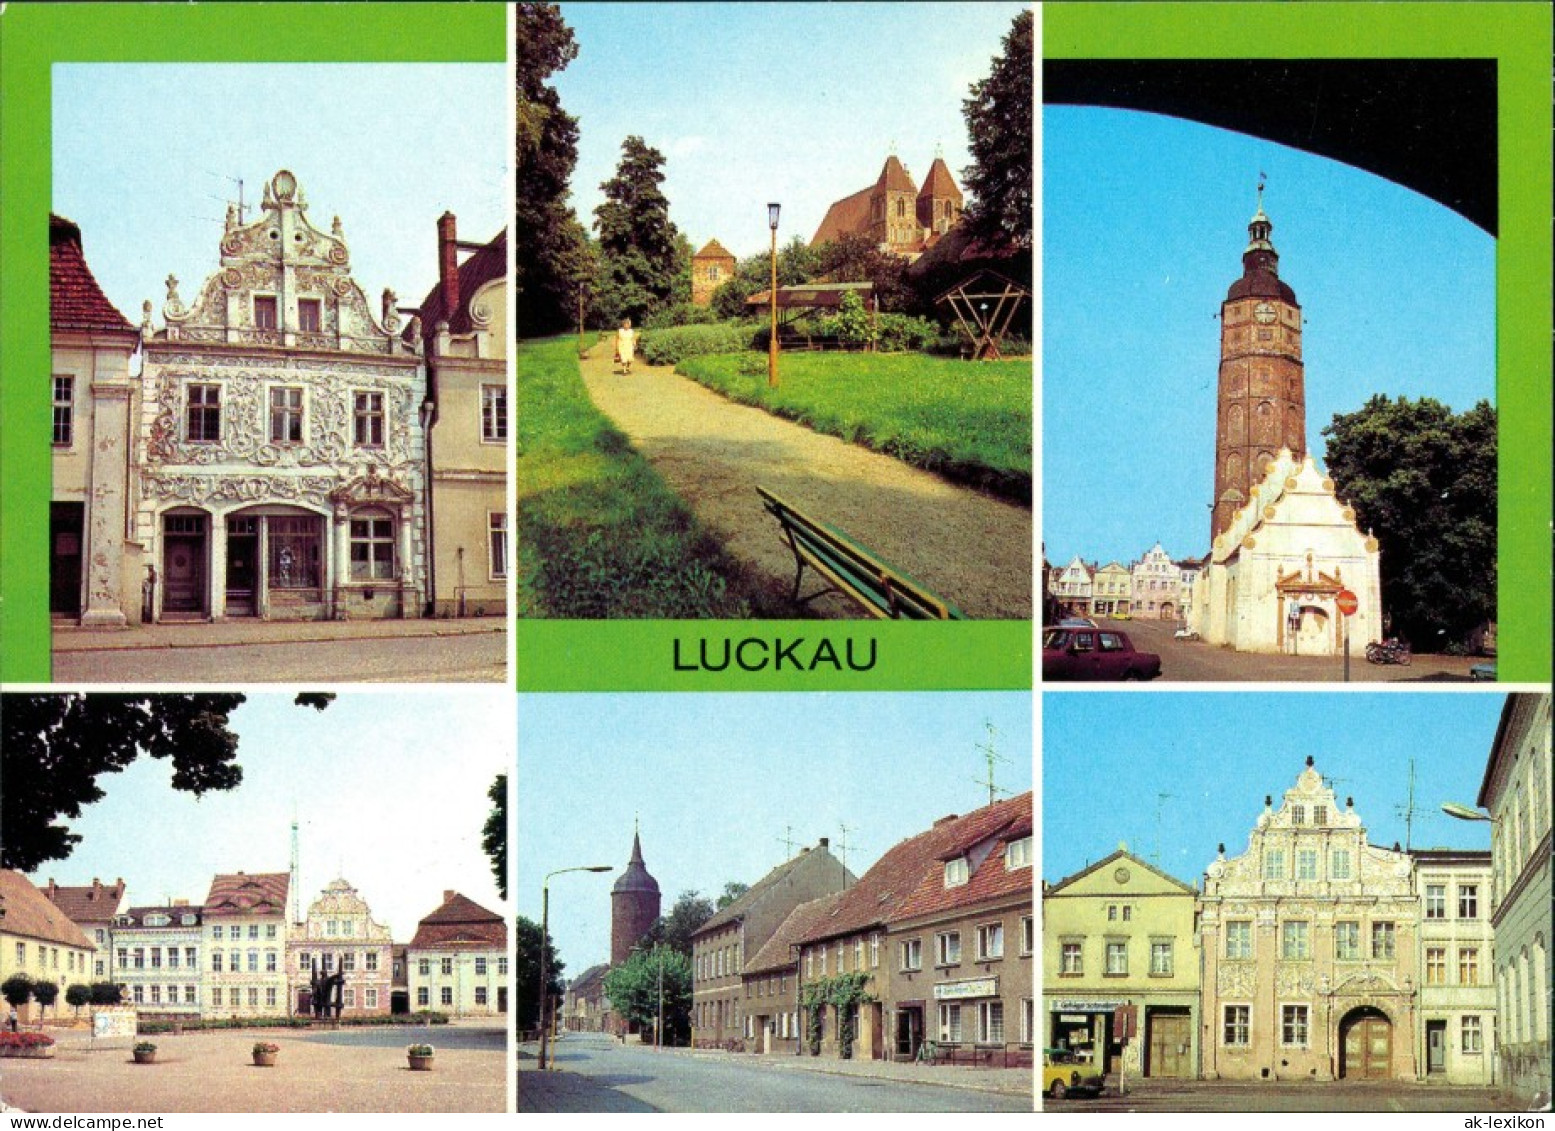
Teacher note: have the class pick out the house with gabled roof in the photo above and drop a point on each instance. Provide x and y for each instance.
(711, 268)
(244, 932)
(899, 934)
(771, 978)
(92, 907)
(585, 1006)
(1121, 932)
(720, 946)
(38, 939)
(458, 960)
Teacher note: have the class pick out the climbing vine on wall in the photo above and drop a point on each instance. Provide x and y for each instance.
(844, 991)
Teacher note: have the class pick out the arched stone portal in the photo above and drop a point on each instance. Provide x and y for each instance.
(1365, 1044)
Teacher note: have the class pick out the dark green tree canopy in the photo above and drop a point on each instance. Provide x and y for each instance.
(526, 972)
(17, 990)
(635, 986)
(674, 930)
(999, 116)
(77, 994)
(1423, 480)
(550, 245)
(106, 993)
(644, 261)
(494, 834)
(732, 891)
(55, 746)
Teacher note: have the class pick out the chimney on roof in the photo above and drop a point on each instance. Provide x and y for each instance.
(448, 262)
(825, 840)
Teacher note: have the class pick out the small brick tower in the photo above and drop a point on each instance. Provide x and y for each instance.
(939, 201)
(1261, 406)
(634, 905)
(893, 208)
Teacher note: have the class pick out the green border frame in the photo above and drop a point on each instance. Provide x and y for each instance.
(1518, 37)
(33, 37)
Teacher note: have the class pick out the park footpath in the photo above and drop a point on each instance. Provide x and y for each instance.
(1002, 1081)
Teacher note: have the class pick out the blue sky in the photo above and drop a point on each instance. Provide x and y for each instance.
(1108, 756)
(717, 779)
(1145, 220)
(388, 790)
(797, 103)
(145, 155)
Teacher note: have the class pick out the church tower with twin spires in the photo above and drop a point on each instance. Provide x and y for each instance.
(1261, 403)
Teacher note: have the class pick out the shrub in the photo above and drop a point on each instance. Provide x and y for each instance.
(265, 1047)
(896, 333)
(25, 1041)
(77, 995)
(145, 1046)
(670, 347)
(106, 993)
(680, 314)
(419, 1050)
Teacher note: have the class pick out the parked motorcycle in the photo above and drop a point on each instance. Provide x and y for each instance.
(1389, 651)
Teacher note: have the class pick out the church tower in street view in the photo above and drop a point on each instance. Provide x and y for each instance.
(634, 905)
(1261, 403)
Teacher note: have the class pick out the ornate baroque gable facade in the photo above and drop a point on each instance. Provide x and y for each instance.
(281, 435)
(341, 936)
(1310, 945)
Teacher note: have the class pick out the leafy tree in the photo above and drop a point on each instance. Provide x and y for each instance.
(855, 258)
(56, 746)
(551, 249)
(644, 260)
(635, 986)
(107, 993)
(999, 115)
(494, 836)
(1423, 480)
(45, 993)
(797, 262)
(732, 891)
(77, 995)
(526, 973)
(17, 990)
(674, 930)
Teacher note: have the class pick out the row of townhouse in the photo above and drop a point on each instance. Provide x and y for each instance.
(1317, 955)
(932, 945)
(1156, 587)
(278, 449)
(236, 954)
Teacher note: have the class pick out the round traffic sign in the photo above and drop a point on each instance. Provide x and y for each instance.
(1346, 602)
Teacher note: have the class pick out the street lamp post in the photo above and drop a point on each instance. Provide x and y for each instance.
(658, 1031)
(545, 935)
(772, 343)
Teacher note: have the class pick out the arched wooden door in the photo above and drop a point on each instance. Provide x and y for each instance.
(1366, 1045)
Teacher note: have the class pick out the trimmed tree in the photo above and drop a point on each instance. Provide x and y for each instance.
(17, 990)
(107, 993)
(46, 993)
(77, 995)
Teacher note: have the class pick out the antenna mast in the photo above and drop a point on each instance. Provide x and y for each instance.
(990, 756)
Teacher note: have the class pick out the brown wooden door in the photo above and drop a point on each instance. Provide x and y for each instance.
(1171, 1037)
(184, 574)
(1368, 1049)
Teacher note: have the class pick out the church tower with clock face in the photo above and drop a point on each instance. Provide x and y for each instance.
(1261, 404)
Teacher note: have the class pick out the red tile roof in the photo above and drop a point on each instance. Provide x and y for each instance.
(460, 923)
(777, 952)
(992, 828)
(27, 914)
(714, 250)
(939, 182)
(238, 893)
(739, 908)
(490, 262)
(76, 302)
(894, 177)
(94, 903)
(845, 217)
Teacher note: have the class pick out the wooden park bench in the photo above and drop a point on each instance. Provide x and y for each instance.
(884, 592)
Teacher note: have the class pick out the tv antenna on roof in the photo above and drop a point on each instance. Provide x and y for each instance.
(842, 848)
(990, 756)
(787, 840)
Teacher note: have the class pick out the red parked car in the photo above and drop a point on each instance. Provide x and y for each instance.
(1094, 653)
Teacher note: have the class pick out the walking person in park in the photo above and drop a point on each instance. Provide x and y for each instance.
(626, 345)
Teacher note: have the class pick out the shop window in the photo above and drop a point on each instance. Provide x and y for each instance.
(296, 552)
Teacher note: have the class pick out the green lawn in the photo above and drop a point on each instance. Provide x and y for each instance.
(598, 532)
(968, 421)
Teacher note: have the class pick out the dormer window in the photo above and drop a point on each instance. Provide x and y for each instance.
(157, 920)
(266, 316)
(955, 872)
(1017, 854)
(186, 920)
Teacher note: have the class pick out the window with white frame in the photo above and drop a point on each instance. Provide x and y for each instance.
(494, 414)
(1468, 965)
(947, 948)
(1436, 901)
(1295, 939)
(1339, 864)
(955, 872)
(286, 414)
(1161, 958)
(423, 995)
(1027, 933)
(1274, 864)
(1028, 1019)
(1468, 901)
(447, 995)
(1436, 966)
(950, 1023)
(1383, 940)
(990, 941)
(1239, 938)
(1017, 854)
(1293, 1026)
(1071, 960)
(1473, 1034)
(1347, 941)
(858, 953)
(990, 1022)
(912, 956)
(372, 546)
(874, 950)
(1306, 864)
(447, 967)
(368, 408)
(64, 410)
(1236, 1026)
(497, 541)
(1117, 957)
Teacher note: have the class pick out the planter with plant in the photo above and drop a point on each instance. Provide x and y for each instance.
(29, 1046)
(420, 1057)
(264, 1053)
(145, 1053)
